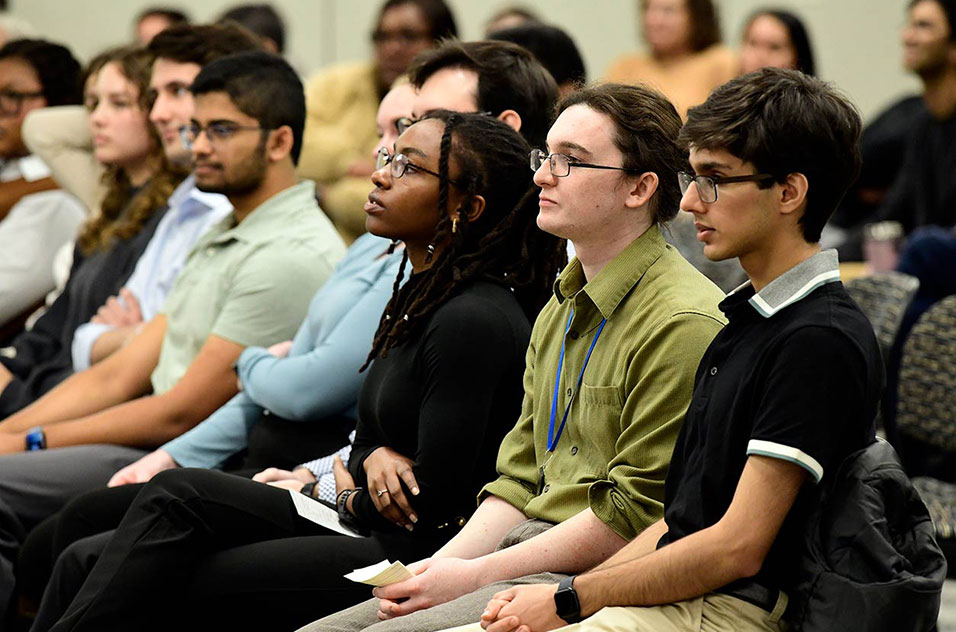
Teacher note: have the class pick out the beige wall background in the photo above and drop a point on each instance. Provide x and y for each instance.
(856, 42)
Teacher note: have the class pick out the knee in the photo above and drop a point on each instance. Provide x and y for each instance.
(76, 561)
(179, 484)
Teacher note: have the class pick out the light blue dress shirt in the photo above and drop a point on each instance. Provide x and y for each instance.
(319, 378)
(191, 214)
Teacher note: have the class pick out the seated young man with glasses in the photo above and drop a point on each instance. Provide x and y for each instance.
(784, 393)
(608, 376)
(247, 282)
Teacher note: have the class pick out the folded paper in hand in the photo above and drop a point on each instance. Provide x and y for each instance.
(318, 513)
(381, 574)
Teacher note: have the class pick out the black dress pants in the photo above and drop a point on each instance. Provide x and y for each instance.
(205, 550)
(273, 442)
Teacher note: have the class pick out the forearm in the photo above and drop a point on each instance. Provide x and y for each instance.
(146, 422)
(569, 547)
(11, 192)
(643, 544)
(484, 530)
(82, 394)
(110, 341)
(692, 566)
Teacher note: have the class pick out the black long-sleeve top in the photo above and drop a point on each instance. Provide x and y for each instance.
(445, 398)
(43, 357)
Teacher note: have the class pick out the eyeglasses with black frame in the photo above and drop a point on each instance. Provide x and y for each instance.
(707, 185)
(217, 131)
(11, 101)
(560, 164)
(400, 164)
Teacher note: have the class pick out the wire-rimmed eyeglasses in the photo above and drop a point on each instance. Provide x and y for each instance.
(218, 131)
(11, 101)
(560, 164)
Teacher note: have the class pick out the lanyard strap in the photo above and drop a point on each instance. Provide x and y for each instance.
(552, 438)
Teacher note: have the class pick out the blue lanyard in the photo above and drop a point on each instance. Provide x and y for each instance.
(552, 438)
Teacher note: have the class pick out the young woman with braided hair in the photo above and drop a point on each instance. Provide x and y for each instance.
(444, 388)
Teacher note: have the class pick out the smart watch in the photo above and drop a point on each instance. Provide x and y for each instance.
(566, 603)
(36, 439)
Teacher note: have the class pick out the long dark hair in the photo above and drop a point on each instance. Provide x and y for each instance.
(503, 244)
(799, 38)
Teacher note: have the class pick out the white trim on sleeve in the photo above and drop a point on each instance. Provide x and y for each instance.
(787, 453)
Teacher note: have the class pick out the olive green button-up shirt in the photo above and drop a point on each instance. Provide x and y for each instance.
(623, 422)
(251, 282)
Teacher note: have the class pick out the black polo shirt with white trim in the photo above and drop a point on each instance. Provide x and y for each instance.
(795, 375)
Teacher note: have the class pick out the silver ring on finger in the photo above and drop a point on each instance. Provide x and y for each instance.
(381, 492)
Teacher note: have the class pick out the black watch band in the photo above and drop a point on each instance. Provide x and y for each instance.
(566, 603)
(309, 489)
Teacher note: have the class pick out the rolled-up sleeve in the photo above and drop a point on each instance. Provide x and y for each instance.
(658, 387)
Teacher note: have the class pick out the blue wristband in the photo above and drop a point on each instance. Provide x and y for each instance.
(36, 439)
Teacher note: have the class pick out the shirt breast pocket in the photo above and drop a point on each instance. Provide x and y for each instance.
(600, 424)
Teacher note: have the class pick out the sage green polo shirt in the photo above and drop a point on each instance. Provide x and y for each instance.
(616, 447)
(249, 283)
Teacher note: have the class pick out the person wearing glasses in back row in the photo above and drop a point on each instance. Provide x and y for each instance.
(342, 99)
(608, 373)
(783, 395)
(34, 221)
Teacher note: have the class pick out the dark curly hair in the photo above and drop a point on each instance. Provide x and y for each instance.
(125, 210)
(503, 244)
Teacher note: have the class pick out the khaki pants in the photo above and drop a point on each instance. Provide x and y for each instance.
(714, 612)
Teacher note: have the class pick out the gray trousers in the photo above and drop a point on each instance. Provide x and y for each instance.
(35, 485)
(466, 609)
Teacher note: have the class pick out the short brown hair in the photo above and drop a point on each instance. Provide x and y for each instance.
(784, 122)
(704, 23)
(202, 43)
(646, 126)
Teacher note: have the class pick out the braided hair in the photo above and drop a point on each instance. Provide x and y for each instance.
(503, 244)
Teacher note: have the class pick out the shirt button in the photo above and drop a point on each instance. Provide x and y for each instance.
(569, 392)
(546, 488)
(713, 370)
(574, 335)
(574, 450)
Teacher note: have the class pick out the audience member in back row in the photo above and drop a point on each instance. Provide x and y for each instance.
(33, 225)
(298, 401)
(342, 100)
(923, 191)
(686, 59)
(754, 448)
(247, 282)
(139, 180)
(152, 21)
(553, 48)
(179, 53)
(431, 414)
(607, 378)
(775, 39)
(262, 20)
